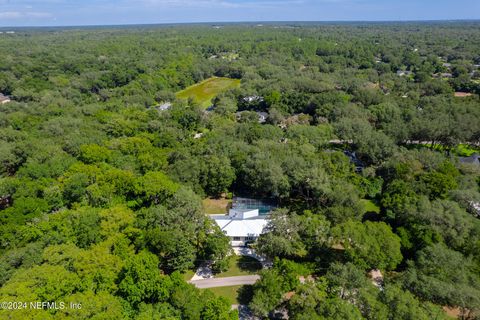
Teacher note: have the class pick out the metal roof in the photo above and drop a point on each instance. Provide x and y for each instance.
(474, 159)
(241, 228)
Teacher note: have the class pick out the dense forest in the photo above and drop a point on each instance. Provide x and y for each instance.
(101, 190)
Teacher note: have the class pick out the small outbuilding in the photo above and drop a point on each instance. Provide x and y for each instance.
(253, 98)
(462, 94)
(261, 116)
(403, 73)
(377, 278)
(473, 159)
(4, 99)
(474, 208)
(165, 106)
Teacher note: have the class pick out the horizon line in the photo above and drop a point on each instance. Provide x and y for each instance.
(240, 22)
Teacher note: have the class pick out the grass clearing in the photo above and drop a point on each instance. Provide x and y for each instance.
(461, 150)
(188, 275)
(231, 293)
(370, 206)
(234, 294)
(464, 150)
(241, 266)
(204, 92)
(216, 206)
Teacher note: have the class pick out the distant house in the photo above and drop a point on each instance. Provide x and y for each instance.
(4, 99)
(443, 75)
(473, 159)
(359, 165)
(251, 99)
(462, 94)
(165, 106)
(447, 65)
(402, 73)
(262, 116)
(474, 208)
(241, 225)
(377, 278)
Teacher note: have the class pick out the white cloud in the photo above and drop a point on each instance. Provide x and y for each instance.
(217, 3)
(10, 15)
(21, 15)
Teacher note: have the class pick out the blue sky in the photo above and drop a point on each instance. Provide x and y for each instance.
(101, 12)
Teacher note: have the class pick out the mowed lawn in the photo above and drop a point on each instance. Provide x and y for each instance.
(216, 206)
(230, 293)
(240, 266)
(234, 294)
(204, 92)
(187, 275)
(370, 206)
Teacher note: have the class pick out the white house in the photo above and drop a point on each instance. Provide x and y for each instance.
(402, 73)
(241, 225)
(165, 106)
(254, 98)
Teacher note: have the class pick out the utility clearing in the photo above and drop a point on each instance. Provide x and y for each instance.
(204, 92)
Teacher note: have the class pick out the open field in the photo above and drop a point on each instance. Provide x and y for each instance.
(205, 91)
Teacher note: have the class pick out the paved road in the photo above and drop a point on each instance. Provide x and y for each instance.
(225, 282)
